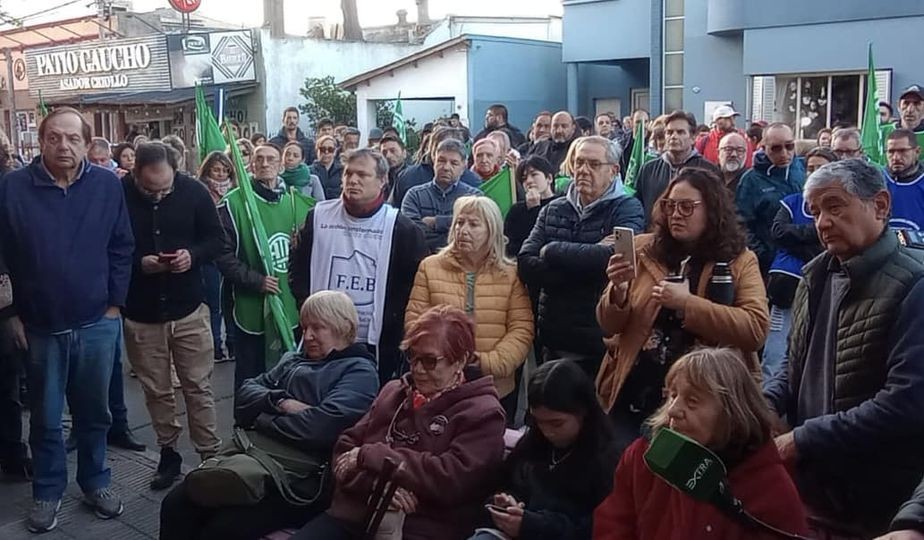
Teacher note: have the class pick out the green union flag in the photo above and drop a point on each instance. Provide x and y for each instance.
(207, 131)
(870, 135)
(636, 159)
(500, 189)
(397, 120)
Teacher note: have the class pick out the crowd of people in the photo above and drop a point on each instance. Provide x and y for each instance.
(763, 310)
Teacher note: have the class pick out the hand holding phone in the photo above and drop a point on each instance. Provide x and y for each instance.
(166, 258)
(495, 508)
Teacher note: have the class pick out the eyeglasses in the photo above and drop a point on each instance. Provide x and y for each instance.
(593, 164)
(429, 363)
(789, 147)
(685, 206)
(734, 150)
(327, 149)
(847, 152)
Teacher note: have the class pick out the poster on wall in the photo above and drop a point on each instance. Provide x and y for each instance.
(213, 58)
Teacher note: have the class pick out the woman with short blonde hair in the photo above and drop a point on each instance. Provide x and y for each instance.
(337, 311)
(473, 274)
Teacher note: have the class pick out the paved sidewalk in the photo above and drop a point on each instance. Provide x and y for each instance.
(131, 473)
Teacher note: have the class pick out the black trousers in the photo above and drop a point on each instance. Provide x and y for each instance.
(182, 519)
(249, 356)
(12, 448)
(327, 528)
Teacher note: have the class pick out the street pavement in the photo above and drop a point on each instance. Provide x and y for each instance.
(131, 472)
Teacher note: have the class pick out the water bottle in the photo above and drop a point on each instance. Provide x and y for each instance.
(721, 288)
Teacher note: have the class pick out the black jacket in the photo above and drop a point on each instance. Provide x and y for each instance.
(184, 219)
(553, 152)
(653, 177)
(306, 143)
(562, 258)
(331, 179)
(6, 291)
(237, 272)
(519, 223)
(911, 514)
(408, 248)
(338, 389)
(560, 500)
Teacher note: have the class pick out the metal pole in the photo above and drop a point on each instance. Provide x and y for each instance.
(14, 128)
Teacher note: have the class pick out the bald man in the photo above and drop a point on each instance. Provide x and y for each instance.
(776, 174)
(563, 134)
(733, 151)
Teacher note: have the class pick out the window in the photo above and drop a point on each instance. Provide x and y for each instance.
(672, 57)
(809, 103)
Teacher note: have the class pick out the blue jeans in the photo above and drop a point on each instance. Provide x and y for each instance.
(777, 342)
(77, 364)
(211, 286)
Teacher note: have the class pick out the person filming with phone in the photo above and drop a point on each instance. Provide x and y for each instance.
(176, 232)
(693, 281)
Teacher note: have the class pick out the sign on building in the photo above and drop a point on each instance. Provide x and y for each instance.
(124, 65)
(215, 58)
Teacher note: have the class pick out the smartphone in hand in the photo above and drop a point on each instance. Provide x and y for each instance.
(498, 509)
(624, 244)
(166, 258)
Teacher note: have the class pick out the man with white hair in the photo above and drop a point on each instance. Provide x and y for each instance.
(565, 256)
(487, 158)
(852, 386)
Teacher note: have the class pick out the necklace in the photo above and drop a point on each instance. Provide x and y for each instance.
(556, 461)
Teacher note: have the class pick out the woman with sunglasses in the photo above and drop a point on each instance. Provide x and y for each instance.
(695, 283)
(246, 148)
(441, 422)
(473, 273)
(327, 167)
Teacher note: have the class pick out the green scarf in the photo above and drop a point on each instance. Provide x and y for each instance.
(297, 177)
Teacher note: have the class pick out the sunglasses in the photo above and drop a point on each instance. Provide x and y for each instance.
(327, 149)
(429, 363)
(789, 147)
(686, 207)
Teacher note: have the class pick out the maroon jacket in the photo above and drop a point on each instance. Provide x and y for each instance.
(450, 467)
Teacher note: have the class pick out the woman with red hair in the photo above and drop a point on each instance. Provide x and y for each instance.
(444, 428)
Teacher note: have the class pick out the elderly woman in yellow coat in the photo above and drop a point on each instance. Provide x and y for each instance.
(473, 274)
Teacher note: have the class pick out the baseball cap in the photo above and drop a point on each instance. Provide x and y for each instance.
(724, 111)
(913, 89)
(375, 134)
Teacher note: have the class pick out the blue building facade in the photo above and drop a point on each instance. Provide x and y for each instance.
(803, 63)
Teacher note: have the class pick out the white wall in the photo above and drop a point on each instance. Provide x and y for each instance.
(288, 62)
(434, 77)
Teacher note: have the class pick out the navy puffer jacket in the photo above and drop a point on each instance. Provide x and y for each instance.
(563, 260)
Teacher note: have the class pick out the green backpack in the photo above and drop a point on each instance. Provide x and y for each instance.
(238, 475)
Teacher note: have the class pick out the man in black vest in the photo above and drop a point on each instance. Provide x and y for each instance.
(853, 389)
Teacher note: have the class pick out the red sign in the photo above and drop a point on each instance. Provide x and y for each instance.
(185, 6)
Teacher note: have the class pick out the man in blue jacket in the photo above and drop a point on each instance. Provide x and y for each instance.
(565, 257)
(852, 385)
(776, 174)
(69, 245)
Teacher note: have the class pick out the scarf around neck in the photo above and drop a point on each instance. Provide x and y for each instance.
(297, 177)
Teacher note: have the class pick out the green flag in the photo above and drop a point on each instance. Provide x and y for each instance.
(278, 334)
(636, 159)
(500, 189)
(870, 136)
(208, 134)
(561, 183)
(397, 120)
(43, 108)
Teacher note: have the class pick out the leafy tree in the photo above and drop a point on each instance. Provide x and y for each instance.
(327, 100)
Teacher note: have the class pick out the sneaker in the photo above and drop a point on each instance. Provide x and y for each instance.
(44, 515)
(105, 503)
(168, 470)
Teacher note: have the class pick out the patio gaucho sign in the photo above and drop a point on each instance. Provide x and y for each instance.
(125, 65)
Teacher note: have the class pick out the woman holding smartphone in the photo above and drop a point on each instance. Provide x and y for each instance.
(694, 283)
